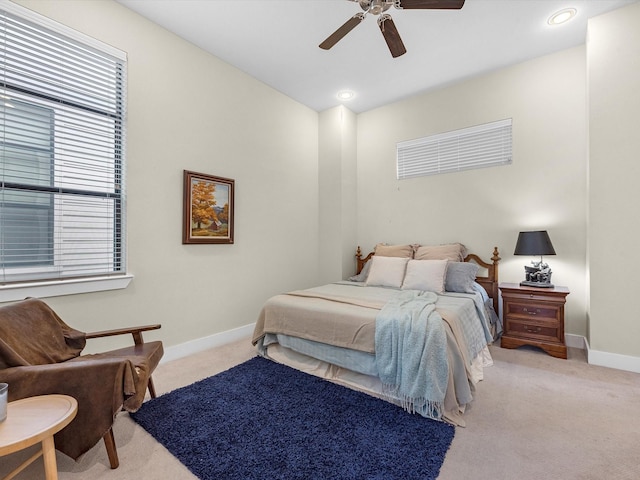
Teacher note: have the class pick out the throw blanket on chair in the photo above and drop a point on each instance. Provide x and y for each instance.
(411, 352)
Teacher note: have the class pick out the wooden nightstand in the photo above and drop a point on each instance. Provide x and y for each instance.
(534, 316)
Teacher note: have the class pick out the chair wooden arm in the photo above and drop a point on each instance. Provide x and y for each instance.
(135, 331)
(137, 338)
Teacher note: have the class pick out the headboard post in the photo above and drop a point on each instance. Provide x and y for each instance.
(490, 281)
(495, 294)
(361, 261)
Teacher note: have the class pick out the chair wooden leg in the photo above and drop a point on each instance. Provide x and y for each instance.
(110, 443)
(152, 389)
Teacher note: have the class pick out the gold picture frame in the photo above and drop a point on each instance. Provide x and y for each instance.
(208, 214)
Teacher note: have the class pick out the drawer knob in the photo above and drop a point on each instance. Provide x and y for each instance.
(530, 312)
(533, 329)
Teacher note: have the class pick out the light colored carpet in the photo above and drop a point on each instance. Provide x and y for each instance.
(534, 417)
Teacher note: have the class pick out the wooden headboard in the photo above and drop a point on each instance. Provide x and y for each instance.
(489, 281)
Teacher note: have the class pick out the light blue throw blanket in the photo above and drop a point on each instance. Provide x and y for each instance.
(411, 352)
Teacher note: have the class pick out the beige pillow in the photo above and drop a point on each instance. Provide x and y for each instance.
(425, 275)
(384, 250)
(453, 251)
(387, 271)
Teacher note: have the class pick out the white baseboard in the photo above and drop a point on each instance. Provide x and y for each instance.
(613, 360)
(604, 359)
(194, 346)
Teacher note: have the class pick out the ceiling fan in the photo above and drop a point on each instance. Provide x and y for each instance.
(385, 22)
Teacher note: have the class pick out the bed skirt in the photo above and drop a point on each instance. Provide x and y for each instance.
(369, 384)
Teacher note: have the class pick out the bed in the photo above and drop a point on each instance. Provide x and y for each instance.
(411, 327)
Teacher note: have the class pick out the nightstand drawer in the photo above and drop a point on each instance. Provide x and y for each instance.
(531, 310)
(532, 330)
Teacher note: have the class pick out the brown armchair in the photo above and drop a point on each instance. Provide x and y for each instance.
(40, 355)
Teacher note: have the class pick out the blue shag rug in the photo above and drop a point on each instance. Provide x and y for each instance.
(263, 420)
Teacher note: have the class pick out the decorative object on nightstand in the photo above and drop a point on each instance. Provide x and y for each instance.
(534, 316)
(534, 244)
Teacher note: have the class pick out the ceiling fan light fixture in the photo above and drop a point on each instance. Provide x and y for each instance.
(376, 7)
(345, 95)
(562, 16)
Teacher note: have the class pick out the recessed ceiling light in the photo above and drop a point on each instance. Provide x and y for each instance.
(562, 16)
(345, 94)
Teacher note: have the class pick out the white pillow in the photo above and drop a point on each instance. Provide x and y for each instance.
(387, 271)
(425, 275)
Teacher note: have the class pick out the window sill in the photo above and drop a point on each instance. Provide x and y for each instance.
(10, 293)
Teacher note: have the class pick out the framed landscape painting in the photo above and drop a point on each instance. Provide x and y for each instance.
(208, 209)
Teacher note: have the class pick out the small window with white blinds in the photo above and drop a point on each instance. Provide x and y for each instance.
(62, 151)
(480, 146)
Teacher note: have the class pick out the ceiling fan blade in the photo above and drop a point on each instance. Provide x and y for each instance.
(391, 35)
(336, 36)
(429, 4)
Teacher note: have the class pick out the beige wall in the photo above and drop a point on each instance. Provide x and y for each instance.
(337, 182)
(544, 188)
(189, 110)
(614, 163)
(299, 213)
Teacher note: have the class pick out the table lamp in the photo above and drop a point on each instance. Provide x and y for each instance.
(535, 243)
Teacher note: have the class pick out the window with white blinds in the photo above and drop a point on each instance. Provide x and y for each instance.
(62, 145)
(480, 146)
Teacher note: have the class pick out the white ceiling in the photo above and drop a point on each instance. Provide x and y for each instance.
(276, 41)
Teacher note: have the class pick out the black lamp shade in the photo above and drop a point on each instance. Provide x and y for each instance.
(534, 243)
